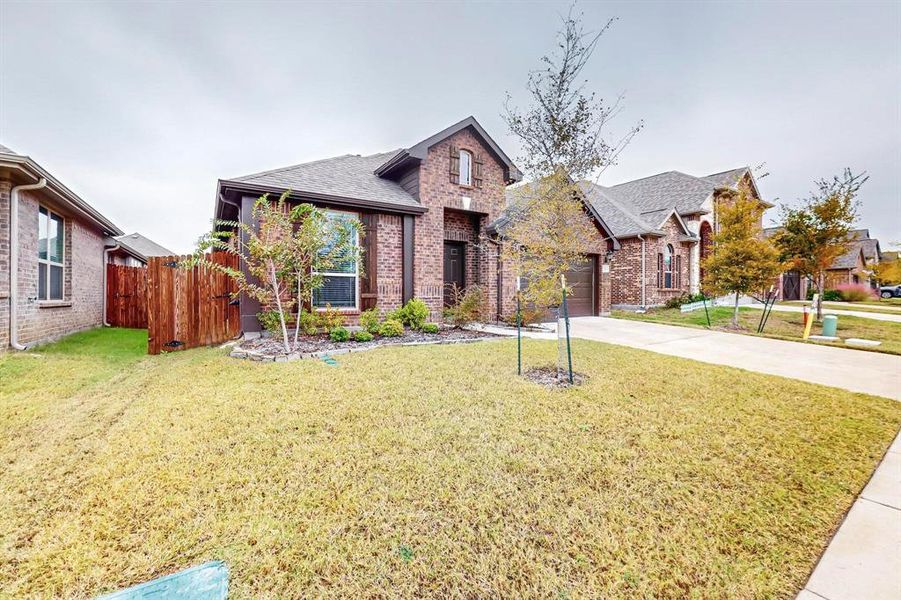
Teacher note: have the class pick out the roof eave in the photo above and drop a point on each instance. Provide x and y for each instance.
(387, 207)
(33, 169)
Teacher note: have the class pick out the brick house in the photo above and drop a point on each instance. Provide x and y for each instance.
(53, 246)
(425, 210)
(663, 224)
(853, 267)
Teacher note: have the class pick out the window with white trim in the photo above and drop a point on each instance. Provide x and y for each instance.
(465, 167)
(341, 285)
(51, 258)
(668, 266)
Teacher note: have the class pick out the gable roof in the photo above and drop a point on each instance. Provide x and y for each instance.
(143, 246)
(418, 152)
(848, 260)
(348, 176)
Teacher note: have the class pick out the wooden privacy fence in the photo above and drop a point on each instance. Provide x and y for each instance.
(189, 307)
(126, 296)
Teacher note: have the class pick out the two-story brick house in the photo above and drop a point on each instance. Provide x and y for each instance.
(53, 246)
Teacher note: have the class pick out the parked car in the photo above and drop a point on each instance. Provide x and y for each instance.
(890, 291)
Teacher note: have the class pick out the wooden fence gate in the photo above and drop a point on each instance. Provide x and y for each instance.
(190, 307)
(126, 296)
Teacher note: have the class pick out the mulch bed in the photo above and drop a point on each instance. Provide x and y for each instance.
(269, 349)
(552, 378)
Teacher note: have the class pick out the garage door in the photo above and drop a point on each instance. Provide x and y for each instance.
(581, 281)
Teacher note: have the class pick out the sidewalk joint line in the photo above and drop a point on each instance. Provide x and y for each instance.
(862, 497)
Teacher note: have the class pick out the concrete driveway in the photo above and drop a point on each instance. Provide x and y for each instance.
(853, 370)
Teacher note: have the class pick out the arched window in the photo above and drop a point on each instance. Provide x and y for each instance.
(465, 167)
(668, 266)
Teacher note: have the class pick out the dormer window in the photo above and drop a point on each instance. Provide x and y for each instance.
(465, 167)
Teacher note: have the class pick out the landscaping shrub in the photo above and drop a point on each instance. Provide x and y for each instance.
(330, 318)
(855, 292)
(683, 298)
(339, 334)
(429, 328)
(828, 295)
(309, 322)
(468, 306)
(414, 313)
(369, 320)
(530, 316)
(270, 321)
(391, 328)
(362, 336)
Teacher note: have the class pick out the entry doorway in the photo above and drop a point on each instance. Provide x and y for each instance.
(791, 285)
(454, 269)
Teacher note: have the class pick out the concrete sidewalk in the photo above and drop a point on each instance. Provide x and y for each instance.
(863, 560)
(853, 370)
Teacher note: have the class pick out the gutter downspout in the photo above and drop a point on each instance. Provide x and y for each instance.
(14, 259)
(643, 282)
(106, 252)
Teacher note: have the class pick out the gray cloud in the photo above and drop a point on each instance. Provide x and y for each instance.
(140, 107)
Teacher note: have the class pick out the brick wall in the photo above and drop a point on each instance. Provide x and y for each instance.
(625, 276)
(389, 256)
(5, 187)
(437, 193)
(83, 281)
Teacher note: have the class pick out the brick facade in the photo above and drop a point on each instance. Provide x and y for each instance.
(389, 257)
(626, 268)
(82, 302)
(448, 218)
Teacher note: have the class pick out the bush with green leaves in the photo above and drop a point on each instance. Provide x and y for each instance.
(828, 295)
(339, 334)
(370, 319)
(429, 328)
(309, 322)
(414, 313)
(270, 321)
(391, 328)
(362, 336)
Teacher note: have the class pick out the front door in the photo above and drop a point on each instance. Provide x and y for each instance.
(454, 269)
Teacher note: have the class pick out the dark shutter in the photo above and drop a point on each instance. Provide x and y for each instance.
(660, 270)
(477, 171)
(369, 295)
(454, 166)
(678, 284)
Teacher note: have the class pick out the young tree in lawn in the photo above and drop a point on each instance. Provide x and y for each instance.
(265, 251)
(743, 261)
(320, 243)
(818, 232)
(562, 136)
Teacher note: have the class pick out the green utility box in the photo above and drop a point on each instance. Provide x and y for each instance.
(830, 325)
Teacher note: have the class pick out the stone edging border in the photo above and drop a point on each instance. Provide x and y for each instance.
(263, 357)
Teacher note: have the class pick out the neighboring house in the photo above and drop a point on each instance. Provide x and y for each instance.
(854, 266)
(133, 250)
(52, 246)
(664, 226)
(425, 210)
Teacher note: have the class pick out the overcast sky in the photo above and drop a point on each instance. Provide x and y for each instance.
(141, 107)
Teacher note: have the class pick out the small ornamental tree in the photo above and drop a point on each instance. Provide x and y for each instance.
(743, 261)
(285, 253)
(815, 234)
(562, 133)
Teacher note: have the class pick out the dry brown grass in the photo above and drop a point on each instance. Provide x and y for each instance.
(429, 471)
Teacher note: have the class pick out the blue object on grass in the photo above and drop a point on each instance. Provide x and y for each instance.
(208, 581)
(329, 360)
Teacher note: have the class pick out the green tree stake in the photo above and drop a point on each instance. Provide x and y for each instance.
(569, 354)
(706, 314)
(518, 334)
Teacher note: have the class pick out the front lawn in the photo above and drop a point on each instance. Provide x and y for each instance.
(427, 471)
(780, 325)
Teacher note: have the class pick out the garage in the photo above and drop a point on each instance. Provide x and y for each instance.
(581, 281)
